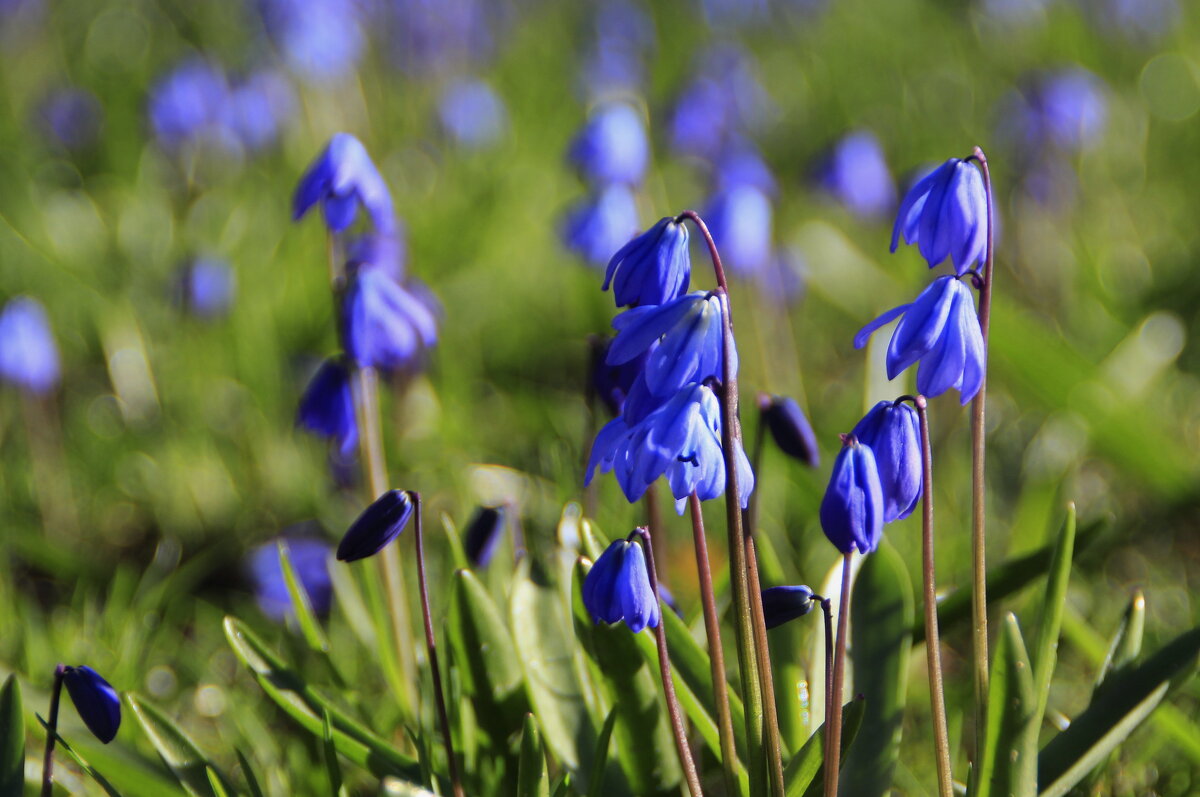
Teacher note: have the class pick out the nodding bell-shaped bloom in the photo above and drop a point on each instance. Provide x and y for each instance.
(653, 268)
(310, 561)
(612, 147)
(783, 604)
(946, 215)
(599, 225)
(790, 429)
(941, 331)
(483, 535)
(386, 326)
(852, 509)
(893, 432)
(618, 588)
(28, 354)
(856, 174)
(682, 440)
(327, 406)
(688, 331)
(379, 524)
(340, 178)
(98, 704)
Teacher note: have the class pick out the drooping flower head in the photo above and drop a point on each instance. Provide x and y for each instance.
(783, 604)
(740, 219)
(379, 524)
(946, 215)
(941, 331)
(893, 433)
(653, 268)
(98, 704)
(790, 429)
(472, 114)
(28, 354)
(259, 106)
(618, 588)
(386, 326)
(852, 509)
(612, 147)
(600, 224)
(310, 561)
(856, 174)
(483, 534)
(327, 406)
(320, 40)
(187, 103)
(341, 178)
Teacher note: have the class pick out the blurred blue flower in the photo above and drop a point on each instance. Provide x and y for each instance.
(1135, 19)
(612, 383)
(28, 354)
(599, 225)
(483, 534)
(852, 509)
(618, 588)
(740, 220)
(386, 326)
(688, 331)
(72, 116)
(310, 561)
(653, 268)
(259, 107)
(385, 251)
(612, 147)
(327, 407)
(320, 40)
(723, 101)
(379, 524)
(946, 215)
(893, 433)
(941, 330)
(790, 429)
(783, 604)
(856, 174)
(433, 36)
(740, 163)
(189, 103)
(340, 178)
(1072, 107)
(472, 114)
(784, 280)
(98, 704)
(207, 286)
(624, 33)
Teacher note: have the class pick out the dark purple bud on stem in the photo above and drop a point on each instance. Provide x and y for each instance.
(483, 535)
(781, 604)
(98, 704)
(789, 428)
(378, 525)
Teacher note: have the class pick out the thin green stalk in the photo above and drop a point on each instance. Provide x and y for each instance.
(773, 742)
(833, 700)
(52, 732)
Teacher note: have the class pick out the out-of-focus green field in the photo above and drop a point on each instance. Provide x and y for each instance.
(129, 500)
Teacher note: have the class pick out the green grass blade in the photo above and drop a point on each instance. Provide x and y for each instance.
(1126, 644)
(188, 763)
(214, 782)
(804, 773)
(309, 626)
(12, 738)
(1045, 644)
(62, 745)
(329, 753)
(601, 757)
(532, 778)
(248, 774)
(1009, 752)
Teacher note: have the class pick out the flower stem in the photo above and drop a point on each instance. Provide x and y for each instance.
(716, 653)
(431, 646)
(773, 741)
(52, 732)
(827, 610)
(664, 668)
(833, 736)
(933, 654)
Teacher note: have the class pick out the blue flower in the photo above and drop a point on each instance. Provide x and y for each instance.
(310, 561)
(653, 268)
(857, 174)
(782, 604)
(599, 225)
(386, 326)
(893, 433)
(740, 219)
(790, 429)
(379, 524)
(941, 331)
(379, 250)
(28, 355)
(741, 164)
(946, 215)
(259, 107)
(207, 286)
(188, 103)
(320, 39)
(340, 178)
(73, 117)
(688, 331)
(852, 509)
(618, 588)
(327, 407)
(613, 383)
(1072, 108)
(483, 535)
(472, 114)
(427, 37)
(98, 704)
(612, 147)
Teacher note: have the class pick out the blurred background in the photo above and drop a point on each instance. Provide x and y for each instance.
(163, 313)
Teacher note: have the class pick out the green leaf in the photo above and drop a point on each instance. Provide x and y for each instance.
(532, 778)
(1126, 643)
(248, 773)
(309, 627)
(214, 782)
(189, 764)
(108, 788)
(601, 756)
(302, 703)
(804, 773)
(329, 752)
(1045, 644)
(1008, 763)
(881, 614)
(12, 737)
(1115, 711)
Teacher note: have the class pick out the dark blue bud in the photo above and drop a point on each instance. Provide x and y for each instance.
(893, 432)
(781, 604)
(98, 704)
(618, 588)
(946, 215)
(483, 535)
(327, 406)
(653, 268)
(789, 429)
(852, 509)
(379, 524)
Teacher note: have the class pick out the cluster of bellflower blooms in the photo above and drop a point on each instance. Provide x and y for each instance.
(877, 477)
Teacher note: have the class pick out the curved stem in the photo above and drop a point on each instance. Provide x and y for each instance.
(716, 652)
(431, 646)
(833, 736)
(933, 654)
(664, 669)
(52, 732)
(773, 741)
(827, 610)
